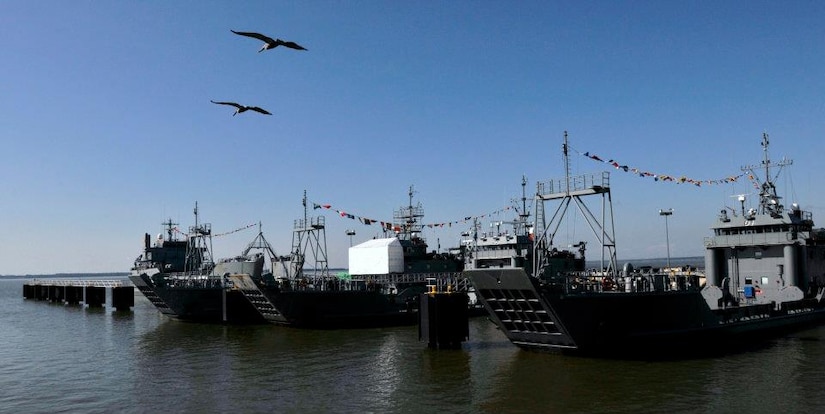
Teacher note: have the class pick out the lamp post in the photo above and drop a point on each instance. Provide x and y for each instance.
(666, 213)
(350, 233)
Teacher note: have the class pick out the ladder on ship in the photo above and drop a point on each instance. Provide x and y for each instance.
(154, 298)
(254, 295)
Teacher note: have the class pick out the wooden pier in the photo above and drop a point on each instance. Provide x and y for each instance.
(91, 292)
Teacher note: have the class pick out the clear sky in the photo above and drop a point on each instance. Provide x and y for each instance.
(107, 130)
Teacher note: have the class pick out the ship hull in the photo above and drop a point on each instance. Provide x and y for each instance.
(310, 309)
(652, 324)
(200, 304)
(341, 309)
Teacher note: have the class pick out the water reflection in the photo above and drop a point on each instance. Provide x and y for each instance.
(374, 370)
(145, 362)
(778, 376)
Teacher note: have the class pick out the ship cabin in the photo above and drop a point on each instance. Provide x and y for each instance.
(418, 260)
(500, 250)
(161, 256)
(763, 257)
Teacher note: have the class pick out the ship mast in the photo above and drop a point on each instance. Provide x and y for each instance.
(521, 224)
(408, 218)
(566, 166)
(768, 199)
(309, 234)
(170, 229)
(567, 191)
(198, 251)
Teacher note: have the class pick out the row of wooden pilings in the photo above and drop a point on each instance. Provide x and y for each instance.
(73, 292)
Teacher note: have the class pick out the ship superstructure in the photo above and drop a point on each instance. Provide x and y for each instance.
(764, 268)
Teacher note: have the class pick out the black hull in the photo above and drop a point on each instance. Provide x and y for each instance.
(206, 305)
(200, 304)
(309, 309)
(341, 309)
(648, 324)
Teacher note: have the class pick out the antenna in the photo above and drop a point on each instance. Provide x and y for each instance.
(520, 224)
(304, 202)
(768, 200)
(170, 227)
(566, 165)
(524, 215)
(741, 198)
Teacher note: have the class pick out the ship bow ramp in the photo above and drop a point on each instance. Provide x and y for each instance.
(515, 305)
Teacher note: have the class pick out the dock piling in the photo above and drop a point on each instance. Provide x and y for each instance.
(443, 319)
(95, 296)
(92, 292)
(123, 297)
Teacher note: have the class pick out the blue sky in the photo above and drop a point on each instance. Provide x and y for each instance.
(107, 130)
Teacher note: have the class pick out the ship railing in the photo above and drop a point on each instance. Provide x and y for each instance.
(755, 238)
(449, 282)
(196, 279)
(406, 277)
(494, 254)
(453, 281)
(192, 274)
(583, 182)
(311, 223)
(598, 281)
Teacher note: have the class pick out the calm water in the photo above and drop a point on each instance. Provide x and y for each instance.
(56, 358)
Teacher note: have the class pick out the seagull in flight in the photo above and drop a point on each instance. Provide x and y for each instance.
(242, 108)
(270, 43)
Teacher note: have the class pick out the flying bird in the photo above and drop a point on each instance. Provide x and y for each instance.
(242, 108)
(270, 43)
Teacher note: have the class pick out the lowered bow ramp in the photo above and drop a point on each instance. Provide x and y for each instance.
(254, 295)
(512, 300)
(143, 282)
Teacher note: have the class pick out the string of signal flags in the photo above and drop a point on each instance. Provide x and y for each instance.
(389, 225)
(226, 233)
(661, 177)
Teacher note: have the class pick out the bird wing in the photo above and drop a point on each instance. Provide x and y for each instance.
(255, 35)
(239, 106)
(261, 110)
(291, 45)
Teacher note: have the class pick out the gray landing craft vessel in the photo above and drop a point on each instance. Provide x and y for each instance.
(182, 281)
(259, 286)
(764, 270)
